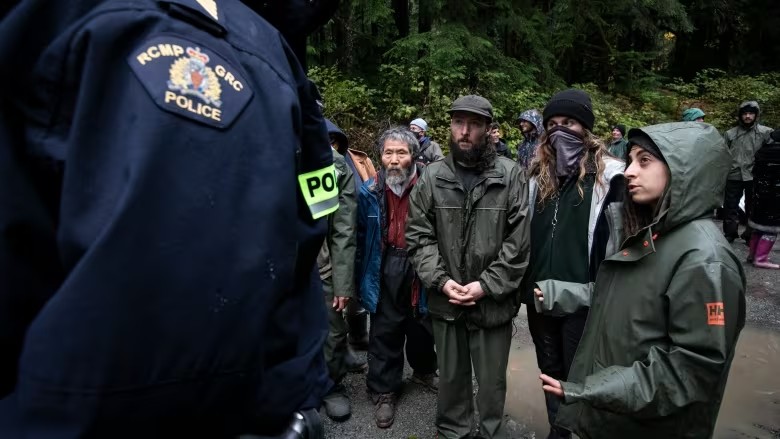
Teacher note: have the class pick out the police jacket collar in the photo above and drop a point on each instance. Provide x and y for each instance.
(205, 14)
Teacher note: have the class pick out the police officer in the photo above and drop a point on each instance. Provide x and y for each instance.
(164, 172)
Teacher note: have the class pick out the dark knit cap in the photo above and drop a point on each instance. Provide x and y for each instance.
(638, 137)
(620, 127)
(571, 103)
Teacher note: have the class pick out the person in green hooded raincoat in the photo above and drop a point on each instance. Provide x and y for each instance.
(666, 308)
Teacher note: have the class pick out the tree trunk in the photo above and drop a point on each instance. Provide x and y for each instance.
(401, 16)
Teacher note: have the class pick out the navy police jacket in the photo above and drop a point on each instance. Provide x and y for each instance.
(163, 165)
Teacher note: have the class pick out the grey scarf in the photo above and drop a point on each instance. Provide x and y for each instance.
(569, 147)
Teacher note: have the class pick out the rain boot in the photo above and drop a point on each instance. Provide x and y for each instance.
(763, 248)
(754, 238)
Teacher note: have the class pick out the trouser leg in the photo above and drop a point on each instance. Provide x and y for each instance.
(388, 326)
(420, 352)
(748, 188)
(454, 409)
(385, 349)
(490, 355)
(335, 348)
(730, 206)
(357, 325)
(571, 333)
(546, 335)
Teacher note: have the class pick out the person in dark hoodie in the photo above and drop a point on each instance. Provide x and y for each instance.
(743, 142)
(530, 123)
(336, 263)
(765, 216)
(157, 256)
(667, 305)
(356, 316)
(495, 139)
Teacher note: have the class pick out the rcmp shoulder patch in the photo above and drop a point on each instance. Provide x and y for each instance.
(188, 79)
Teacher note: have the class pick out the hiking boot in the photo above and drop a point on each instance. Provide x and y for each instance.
(337, 405)
(428, 380)
(354, 363)
(384, 409)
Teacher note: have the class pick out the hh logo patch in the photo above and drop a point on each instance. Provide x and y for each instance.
(715, 314)
(187, 79)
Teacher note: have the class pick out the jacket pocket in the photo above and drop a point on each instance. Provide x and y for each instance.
(490, 314)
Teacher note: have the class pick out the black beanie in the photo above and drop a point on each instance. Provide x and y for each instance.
(641, 139)
(571, 103)
(620, 127)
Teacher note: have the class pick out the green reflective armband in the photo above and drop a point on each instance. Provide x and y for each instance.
(320, 191)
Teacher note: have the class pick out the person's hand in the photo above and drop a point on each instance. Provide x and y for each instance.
(474, 292)
(455, 291)
(339, 303)
(539, 294)
(551, 385)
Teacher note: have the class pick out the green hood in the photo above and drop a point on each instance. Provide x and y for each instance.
(751, 104)
(699, 163)
(691, 114)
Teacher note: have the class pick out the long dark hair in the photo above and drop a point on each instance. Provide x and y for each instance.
(635, 216)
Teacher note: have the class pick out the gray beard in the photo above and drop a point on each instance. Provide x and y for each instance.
(399, 179)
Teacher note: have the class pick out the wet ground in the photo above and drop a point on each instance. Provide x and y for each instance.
(751, 407)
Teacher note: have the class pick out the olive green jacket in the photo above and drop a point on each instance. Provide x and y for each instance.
(743, 143)
(480, 235)
(336, 259)
(665, 311)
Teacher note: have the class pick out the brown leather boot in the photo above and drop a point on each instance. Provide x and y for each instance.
(384, 409)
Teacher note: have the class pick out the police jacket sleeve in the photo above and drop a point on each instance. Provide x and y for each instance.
(343, 235)
(502, 277)
(562, 298)
(421, 241)
(706, 313)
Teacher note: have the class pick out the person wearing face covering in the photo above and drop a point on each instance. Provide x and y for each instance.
(572, 183)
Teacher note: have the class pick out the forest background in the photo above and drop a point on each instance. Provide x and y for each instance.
(385, 62)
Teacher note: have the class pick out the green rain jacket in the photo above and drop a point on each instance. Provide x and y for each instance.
(337, 255)
(480, 235)
(743, 143)
(665, 311)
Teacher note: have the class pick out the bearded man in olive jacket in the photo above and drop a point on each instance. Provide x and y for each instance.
(468, 236)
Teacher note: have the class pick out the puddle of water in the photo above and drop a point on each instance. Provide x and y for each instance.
(751, 406)
(524, 396)
(750, 409)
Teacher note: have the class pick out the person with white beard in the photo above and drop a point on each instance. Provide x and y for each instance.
(389, 287)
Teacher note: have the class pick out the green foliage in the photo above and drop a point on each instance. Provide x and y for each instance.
(517, 53)
(348, 101)
(720, 94)
(364, 111)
